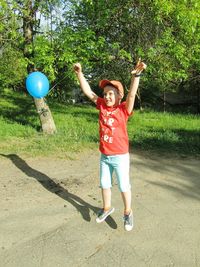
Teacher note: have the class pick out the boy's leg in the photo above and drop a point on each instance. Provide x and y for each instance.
(126, 196)
(122, 172)
(105, 183)
(122, 166)
(106, 196)
(107, 210)
(128, 214)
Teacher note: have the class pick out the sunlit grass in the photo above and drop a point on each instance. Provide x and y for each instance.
(77, 128)
(166, 132)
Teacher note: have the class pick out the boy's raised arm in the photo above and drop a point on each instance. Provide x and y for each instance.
(130, 100)
(84, 84)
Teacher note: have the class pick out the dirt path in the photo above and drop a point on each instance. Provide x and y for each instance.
(48, 210)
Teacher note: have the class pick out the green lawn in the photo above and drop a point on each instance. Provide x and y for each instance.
(78, 129)
(166, 132)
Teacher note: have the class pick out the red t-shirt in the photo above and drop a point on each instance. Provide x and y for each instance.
(113, 128)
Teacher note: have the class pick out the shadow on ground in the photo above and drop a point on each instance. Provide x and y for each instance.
(49, 184)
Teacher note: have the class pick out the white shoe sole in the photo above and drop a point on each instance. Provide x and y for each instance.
(98, 220)
(129, 227)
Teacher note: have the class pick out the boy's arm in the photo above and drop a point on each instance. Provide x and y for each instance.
(85, 87)
(130, 100)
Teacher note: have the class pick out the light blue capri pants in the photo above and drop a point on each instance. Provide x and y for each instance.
(120, 164)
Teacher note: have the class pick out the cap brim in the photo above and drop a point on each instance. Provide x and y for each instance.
(103, 83)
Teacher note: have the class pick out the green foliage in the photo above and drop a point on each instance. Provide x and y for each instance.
(107, 37)
(44, 56)
(161, 32)
(12, 68)
(174, 48)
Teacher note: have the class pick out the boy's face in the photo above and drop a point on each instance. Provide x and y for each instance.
(111, 96)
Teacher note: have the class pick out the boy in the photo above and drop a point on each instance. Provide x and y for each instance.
(114, 147)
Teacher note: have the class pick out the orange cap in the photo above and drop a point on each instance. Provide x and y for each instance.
(114, 83)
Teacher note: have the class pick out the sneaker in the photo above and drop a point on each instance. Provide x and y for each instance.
(102, 215)
(128, 222)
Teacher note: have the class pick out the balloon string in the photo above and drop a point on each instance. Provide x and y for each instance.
(57, 83)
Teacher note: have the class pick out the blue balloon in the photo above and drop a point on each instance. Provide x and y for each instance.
(37, 84)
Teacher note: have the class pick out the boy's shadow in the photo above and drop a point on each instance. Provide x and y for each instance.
(82, 206)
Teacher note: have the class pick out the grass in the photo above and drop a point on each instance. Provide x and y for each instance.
(166, 132)
(77, 128)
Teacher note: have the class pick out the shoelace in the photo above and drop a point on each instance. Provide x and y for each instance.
(101, 212)
(127, 219)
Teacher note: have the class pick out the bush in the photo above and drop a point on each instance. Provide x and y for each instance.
(12, 68)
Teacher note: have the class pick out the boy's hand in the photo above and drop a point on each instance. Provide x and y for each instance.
(77, 68)
(140, 66)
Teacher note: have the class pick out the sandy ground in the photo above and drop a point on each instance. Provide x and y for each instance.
(48, 208)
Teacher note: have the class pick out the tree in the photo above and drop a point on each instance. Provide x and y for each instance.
(13, 64)
(107, 37)
(29, 13)
(161, 32)
(26, 12)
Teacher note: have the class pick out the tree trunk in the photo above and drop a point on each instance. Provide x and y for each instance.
(46, 119)
(139, 99)
(29, 19)
(164, 101)
(198, 98)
